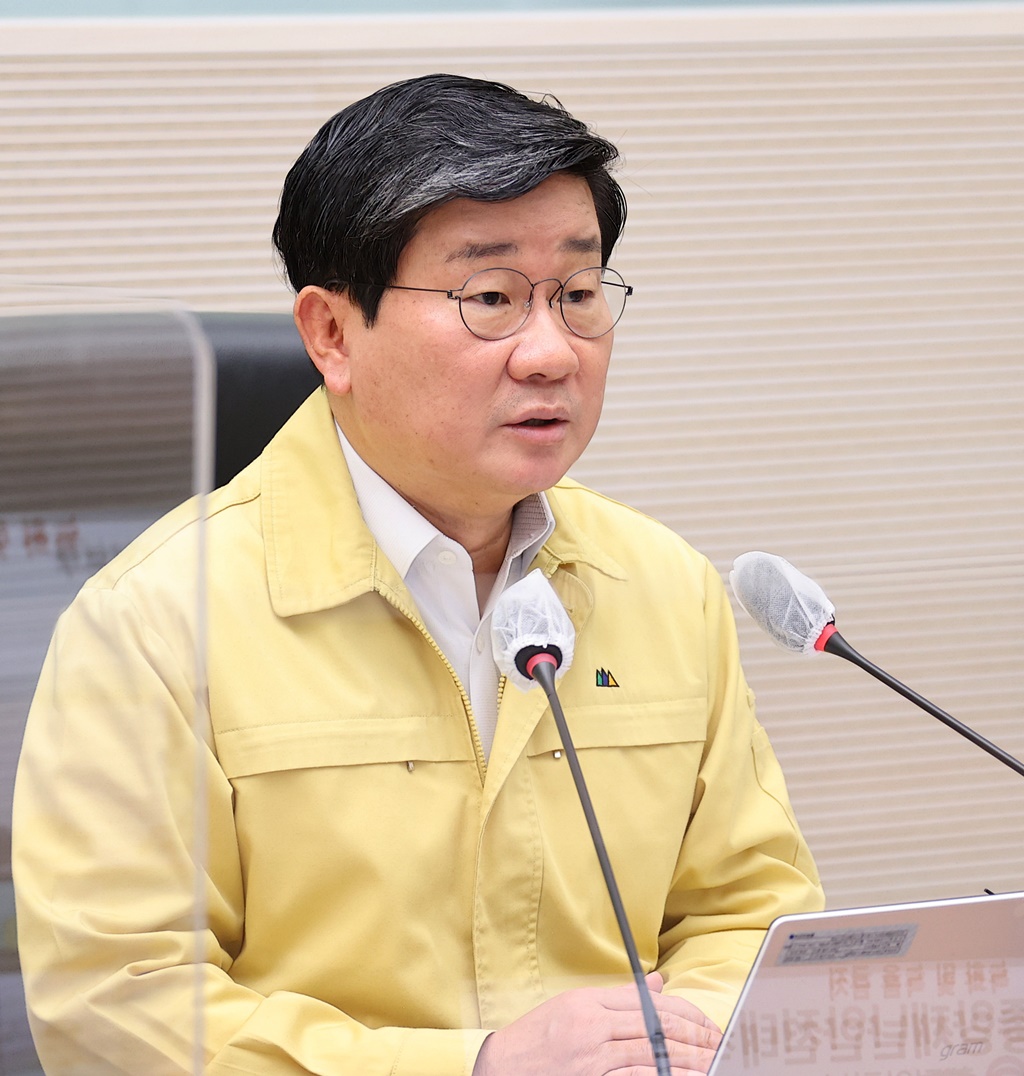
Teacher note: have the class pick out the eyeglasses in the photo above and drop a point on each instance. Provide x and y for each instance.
(495, 303)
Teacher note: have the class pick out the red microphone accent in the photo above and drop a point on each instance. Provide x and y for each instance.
(826, 633)
(543, 658)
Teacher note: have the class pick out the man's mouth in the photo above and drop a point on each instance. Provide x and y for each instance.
(538, 422)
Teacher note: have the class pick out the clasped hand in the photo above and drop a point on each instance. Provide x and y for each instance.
(600, 1032)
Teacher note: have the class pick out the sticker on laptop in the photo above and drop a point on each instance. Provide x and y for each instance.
(846, 943)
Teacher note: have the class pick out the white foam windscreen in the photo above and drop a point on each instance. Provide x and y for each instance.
(790, 608)
(530, 614)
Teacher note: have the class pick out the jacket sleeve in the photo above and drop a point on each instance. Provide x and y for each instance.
(128, 881)
(743, 861)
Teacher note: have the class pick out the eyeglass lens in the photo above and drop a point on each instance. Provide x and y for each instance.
(496, 302)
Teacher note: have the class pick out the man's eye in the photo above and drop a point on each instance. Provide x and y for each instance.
(577, 296)
(489, 298)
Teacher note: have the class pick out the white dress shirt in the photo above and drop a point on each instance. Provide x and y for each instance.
(439, 574)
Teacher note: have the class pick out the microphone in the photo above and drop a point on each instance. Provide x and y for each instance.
(529, 621)
(797, 615)
(532, 639)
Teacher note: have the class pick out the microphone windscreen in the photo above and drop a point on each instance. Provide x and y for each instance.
(528, 613)
(790, 608)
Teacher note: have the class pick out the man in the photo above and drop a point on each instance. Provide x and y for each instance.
(399, 879)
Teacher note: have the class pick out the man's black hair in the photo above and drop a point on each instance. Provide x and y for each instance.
(352, 200)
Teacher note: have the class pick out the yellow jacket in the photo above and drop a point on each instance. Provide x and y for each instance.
(375, 891)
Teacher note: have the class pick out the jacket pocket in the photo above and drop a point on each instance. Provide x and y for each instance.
(299, 744)
(625, 724)
(641, 764)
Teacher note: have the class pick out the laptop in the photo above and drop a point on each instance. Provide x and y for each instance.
(934, 988)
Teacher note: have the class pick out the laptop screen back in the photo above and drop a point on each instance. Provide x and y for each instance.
(903, 990)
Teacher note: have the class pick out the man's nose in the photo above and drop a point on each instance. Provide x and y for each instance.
(544, 346)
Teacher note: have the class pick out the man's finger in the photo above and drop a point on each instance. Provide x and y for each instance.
(636, 1054)
(678, 1006)
(682, 1030)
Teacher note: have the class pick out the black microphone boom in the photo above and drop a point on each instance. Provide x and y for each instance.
(540, 664)
(833, 643)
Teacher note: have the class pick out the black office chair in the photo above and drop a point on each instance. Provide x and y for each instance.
(263, 374)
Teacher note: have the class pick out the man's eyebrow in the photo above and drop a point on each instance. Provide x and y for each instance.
(472, 251)
(589, 245)
(475, 251)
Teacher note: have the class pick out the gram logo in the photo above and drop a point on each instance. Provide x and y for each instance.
(605, 679)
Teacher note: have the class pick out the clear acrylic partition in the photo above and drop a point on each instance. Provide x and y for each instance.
(106, 413)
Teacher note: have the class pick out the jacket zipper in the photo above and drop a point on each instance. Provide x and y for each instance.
(481, 761)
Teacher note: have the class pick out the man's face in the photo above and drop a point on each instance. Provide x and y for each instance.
(464, 427)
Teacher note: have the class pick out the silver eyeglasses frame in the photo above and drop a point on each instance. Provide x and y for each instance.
(559, 292)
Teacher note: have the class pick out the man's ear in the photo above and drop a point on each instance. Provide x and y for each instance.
(322, 317)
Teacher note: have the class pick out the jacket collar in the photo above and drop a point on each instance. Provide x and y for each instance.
(320, 553)
(571, 542)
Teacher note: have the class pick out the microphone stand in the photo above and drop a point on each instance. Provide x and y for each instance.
(544, 673)
(833, 643)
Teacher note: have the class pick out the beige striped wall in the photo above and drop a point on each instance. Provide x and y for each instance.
(824, 357)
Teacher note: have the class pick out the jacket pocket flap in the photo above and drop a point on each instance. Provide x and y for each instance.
(296, 745)
(625, 725)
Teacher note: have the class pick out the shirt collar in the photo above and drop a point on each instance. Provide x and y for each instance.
(319, 551)
(402, 533)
